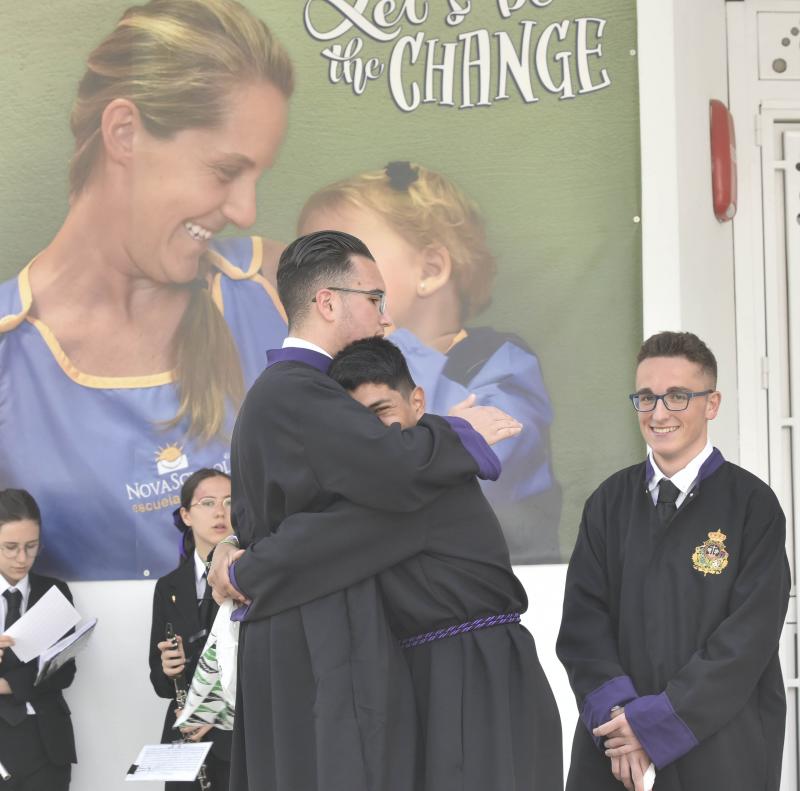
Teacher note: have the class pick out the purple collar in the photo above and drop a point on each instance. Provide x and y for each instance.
(707, 468)
(297, 355)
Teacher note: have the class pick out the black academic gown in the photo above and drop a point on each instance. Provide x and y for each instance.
(488, 718)
(693, 657)
(175, 602)
(28, 742)
(324, 698)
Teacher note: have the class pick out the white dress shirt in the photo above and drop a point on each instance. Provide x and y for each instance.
(299, 343)
(24, 587)
(684, 479)
(199, 580)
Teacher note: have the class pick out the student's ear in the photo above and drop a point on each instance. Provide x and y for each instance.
(119, 126)
(186, 517)
(437, 267)
(417, 400)
(323, 302)
(712, 404)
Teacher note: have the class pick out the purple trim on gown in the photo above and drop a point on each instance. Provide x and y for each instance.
(708, 468)
(597, 705)
(489, 466)
(297, 355)
(663, 734)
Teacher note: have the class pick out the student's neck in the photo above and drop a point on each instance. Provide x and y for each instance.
(670, 467)
(318, 338)
(203, 548)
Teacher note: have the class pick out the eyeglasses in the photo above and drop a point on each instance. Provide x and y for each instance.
(377, 295)
(209, 503)
(11, 551)
(674, 401)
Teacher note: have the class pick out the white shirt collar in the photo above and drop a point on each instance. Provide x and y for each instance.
(300, 343)
(199, 570)
(199, 567)
(685, 478)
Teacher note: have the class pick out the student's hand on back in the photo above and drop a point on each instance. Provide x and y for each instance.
(490, 422)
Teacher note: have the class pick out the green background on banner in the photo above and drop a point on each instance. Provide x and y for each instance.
(557, 180)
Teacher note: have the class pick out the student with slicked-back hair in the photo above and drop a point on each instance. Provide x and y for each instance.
(323, 697)
(129, 340)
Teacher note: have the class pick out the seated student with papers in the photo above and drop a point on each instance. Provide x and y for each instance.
(37, 745)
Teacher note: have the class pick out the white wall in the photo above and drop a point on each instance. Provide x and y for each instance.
(114, 708)
(688, 277)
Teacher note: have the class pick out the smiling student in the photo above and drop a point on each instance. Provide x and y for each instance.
(37, 745)
(675, 599)
(127, 343)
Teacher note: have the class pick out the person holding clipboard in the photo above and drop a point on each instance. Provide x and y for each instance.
(37, 744)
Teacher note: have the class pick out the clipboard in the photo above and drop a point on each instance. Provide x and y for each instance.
(64, 650)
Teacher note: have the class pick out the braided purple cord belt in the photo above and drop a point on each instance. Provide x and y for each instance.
(469, 626)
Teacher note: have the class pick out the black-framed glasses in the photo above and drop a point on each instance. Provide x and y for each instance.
(30, 550)
(209, 503)
(674, 401)
(376, 294)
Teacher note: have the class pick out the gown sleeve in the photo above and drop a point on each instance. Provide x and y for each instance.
(314, 554)
(714, 685)
(587, 640)
(312, 421)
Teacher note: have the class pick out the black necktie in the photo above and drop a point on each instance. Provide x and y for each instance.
(667, 495)
(206, 605)
(13, 606)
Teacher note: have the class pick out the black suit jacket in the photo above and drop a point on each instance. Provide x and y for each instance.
(175, 602)
(27, 742)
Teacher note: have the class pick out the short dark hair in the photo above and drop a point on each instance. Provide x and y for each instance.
(312, 262)
(680, 344)
(372, 361)
(17, 505)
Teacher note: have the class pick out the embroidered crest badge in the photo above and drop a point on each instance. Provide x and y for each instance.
(711, 557)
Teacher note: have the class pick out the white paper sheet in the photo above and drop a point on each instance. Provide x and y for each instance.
(649, 778)
(65, 649)
(180, 761)
(44, 623)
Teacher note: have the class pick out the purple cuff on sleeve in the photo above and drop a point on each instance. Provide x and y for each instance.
(489, 466)
(240, 612)
(663, 734)
(597, 705)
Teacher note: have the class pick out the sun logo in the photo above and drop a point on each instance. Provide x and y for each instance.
(171, 458)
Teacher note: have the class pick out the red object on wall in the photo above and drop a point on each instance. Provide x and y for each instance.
(723, 161)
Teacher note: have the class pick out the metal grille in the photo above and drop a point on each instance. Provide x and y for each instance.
(780, 153)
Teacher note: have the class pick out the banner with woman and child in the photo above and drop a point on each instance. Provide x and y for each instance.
(488, 155)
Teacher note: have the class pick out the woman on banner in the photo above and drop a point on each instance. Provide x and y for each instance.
(183, 599)
(128, 342)
(429, 241)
